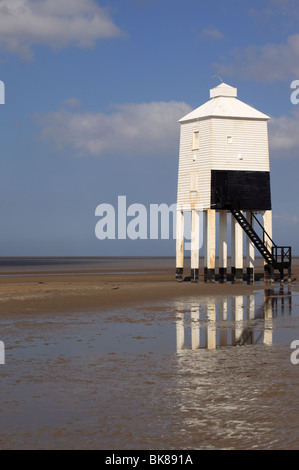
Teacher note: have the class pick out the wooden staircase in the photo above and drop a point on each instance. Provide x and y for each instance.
(280, 257)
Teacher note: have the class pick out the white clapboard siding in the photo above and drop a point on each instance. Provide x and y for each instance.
(247, 146)
(232, 136)
(194, 165)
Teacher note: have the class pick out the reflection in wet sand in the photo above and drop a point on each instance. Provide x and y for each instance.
(153, 376)
(231, 321)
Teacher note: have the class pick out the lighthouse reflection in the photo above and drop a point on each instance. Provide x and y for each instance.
(234, 321)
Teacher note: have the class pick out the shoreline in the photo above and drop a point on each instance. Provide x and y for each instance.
(81, 290)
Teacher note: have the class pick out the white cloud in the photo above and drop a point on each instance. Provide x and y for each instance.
(72, 103)
(285, 6)
(286, 219)
(212, 33)
(142, 129)
(131, 129)
(58, 23)
(265, 63)
(284, 135)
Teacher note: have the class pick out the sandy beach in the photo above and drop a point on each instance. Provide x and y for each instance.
(46, 289)
(115, 354)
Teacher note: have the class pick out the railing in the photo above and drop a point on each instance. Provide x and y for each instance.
(284, 258)
(266, 236)
(281, 255)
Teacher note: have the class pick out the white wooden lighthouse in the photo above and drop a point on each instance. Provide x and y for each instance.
(224, 169)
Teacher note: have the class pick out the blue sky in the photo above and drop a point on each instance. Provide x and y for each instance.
(93, 92)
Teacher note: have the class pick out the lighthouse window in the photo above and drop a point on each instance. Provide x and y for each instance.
(229, 139)
(195, 142)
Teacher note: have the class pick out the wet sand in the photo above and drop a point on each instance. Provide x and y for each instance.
(92, 361)
(52, 289)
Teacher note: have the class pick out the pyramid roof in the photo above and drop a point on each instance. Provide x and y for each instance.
(224, 103)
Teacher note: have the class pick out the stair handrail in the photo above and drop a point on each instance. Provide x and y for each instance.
(269, 251)
(264, 231)
(273, 251)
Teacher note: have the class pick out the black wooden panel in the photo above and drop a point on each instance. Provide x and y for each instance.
(240, 190)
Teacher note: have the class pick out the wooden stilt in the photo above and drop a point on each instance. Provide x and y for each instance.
(268, 269)
(249, 252)
(180, 245)
(237, 252)
(210, 245)
(194, 246)
(222, 247)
